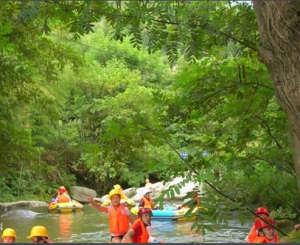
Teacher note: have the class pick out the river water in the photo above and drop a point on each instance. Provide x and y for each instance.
(91, 226)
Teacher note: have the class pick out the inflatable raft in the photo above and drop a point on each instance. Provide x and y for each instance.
(65, 207)
(169, 213)
(130, 203)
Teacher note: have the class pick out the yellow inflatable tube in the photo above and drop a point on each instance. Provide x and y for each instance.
(130, 203)
(65, 207)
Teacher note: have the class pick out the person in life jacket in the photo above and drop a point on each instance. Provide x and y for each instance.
(265, 232)
(264, 213)
(138, 231)
(196, 196)
(9, 236)
(146, 201)
(119, 215)
(62, 195)
(39, 234)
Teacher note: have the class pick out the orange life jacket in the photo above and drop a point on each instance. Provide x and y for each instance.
(261, 239)
(148, 203)
(197, 198)
(63, 197)
(118, 220)
(144, 237)
(252, 235)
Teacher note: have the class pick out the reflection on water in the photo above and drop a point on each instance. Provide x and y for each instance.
(64, 221)
(91, 226)
(175, 232)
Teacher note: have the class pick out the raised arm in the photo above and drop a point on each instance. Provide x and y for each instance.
(96, 205)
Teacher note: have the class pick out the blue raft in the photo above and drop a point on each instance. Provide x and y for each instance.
(168, 213)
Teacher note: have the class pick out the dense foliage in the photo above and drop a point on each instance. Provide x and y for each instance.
(90, 110)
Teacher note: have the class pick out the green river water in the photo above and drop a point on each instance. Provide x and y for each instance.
(91, 226)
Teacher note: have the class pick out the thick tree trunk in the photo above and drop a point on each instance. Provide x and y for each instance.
(279, 28)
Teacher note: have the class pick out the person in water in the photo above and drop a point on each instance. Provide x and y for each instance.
(195, 196)
(146, 201)
(265, 232)
(263, 213)
(138, 231)
(62, 195)
(39, 234)
(119, 215)
(9, 236)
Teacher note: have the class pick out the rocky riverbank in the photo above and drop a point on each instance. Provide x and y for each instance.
(9, 205)
(80, 194)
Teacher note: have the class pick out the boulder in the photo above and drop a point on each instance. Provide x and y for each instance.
(130, 192)
(139, 194)
(189, 186)
(6, 206)
(157, 188)
(104, 198)
(80, 193)
(21, 213)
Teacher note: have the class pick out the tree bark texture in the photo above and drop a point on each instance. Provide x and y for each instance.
(279, 50)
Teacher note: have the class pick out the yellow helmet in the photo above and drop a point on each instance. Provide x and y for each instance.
(9, 232)
(117, 187)
(38, 231)
(147, 181)
(114, 192)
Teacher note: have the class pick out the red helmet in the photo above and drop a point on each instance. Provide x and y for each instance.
(260, 224)
(262, 210)
(144, 211)
(62, 189)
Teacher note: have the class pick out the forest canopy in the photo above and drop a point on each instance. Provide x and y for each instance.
(94, 92)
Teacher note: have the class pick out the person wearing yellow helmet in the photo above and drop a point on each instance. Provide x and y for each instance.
(62, 195)
(39, 234)
(9, 235)
(119, 215)
(118, 187)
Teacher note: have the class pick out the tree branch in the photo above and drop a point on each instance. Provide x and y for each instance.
(177, 24)
(220, 192)
(267, 128)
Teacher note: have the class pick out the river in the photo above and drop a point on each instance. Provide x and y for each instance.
(91, 226)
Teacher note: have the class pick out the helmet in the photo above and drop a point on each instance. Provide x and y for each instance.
(262, 210)
(62, 189)
(260, 224)
(9, 232)
(117, 187)
(38, 231)
(146, 191)
(114, 192)
(147, 181)
(144, 211)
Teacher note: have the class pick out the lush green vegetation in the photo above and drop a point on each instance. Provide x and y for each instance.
(86, 109)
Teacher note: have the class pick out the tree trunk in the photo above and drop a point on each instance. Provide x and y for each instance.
(279, 28)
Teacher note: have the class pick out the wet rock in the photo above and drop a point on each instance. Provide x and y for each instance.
(20, 213)
(9, 205)
(80, 193)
